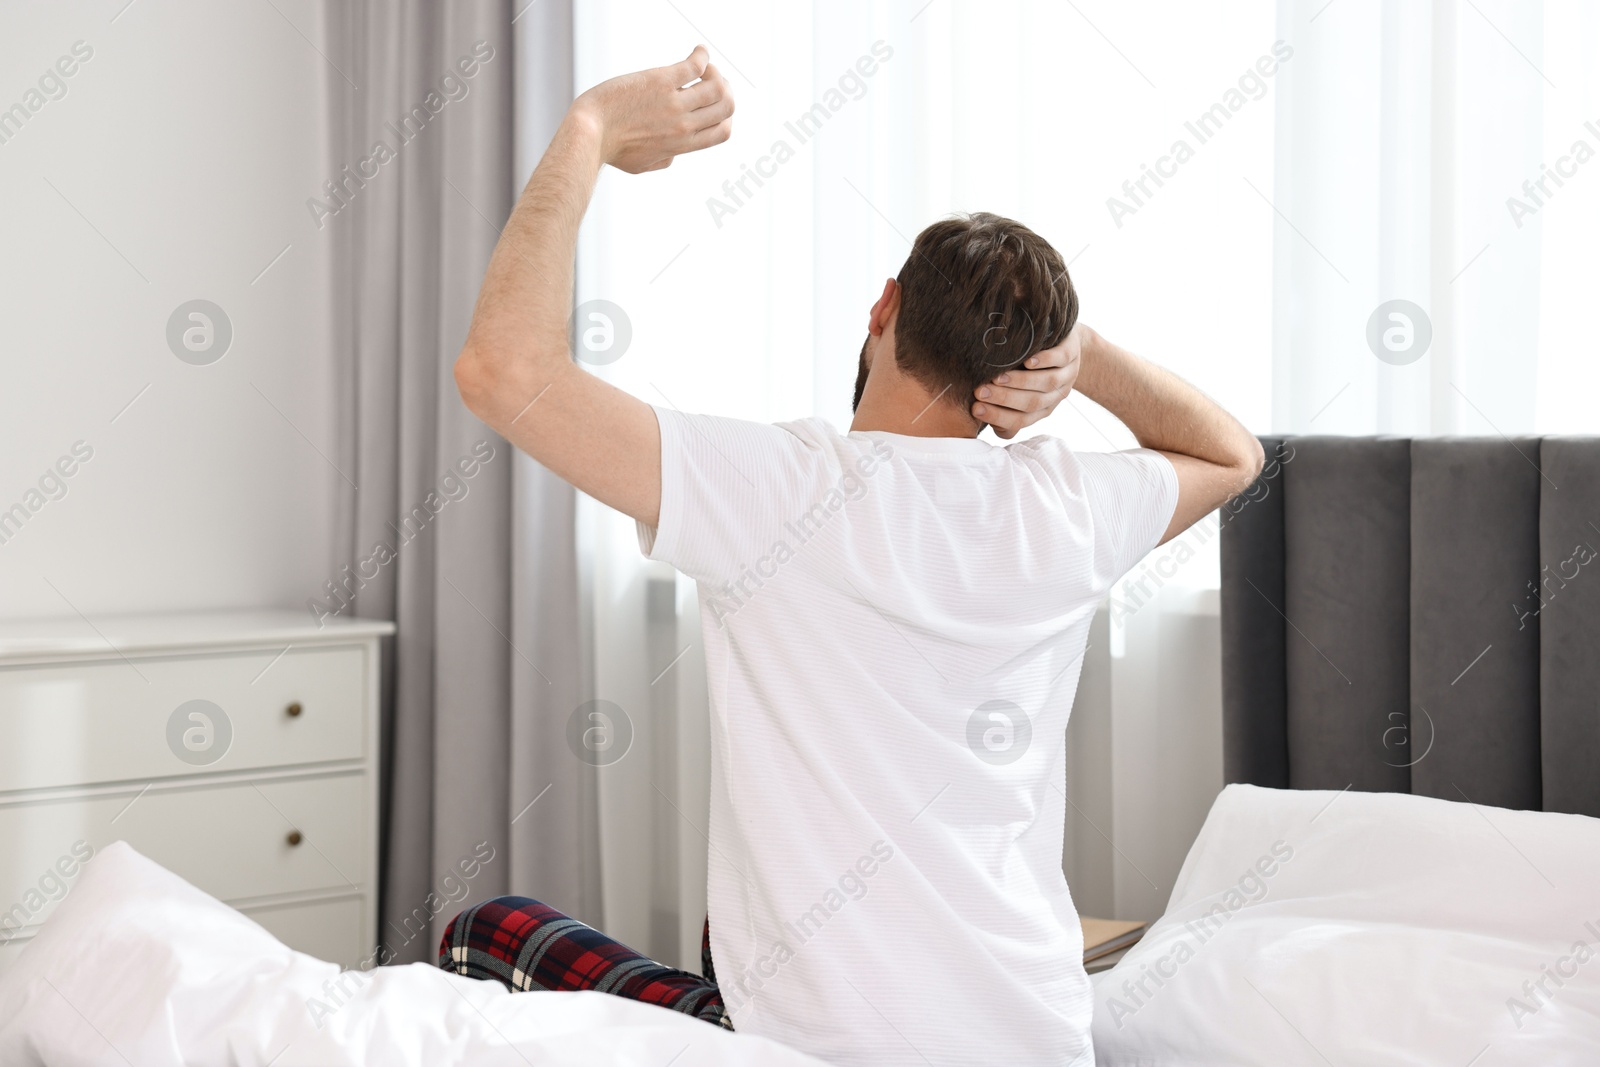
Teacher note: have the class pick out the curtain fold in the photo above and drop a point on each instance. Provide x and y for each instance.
(421, 130)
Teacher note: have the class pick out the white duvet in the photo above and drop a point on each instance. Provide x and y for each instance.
(1349, 929)
(1367, 930)
(137, 967)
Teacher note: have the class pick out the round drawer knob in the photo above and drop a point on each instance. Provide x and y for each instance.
(294, 710)
(294, 838)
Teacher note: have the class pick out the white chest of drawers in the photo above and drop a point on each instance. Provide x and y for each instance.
(238, 750)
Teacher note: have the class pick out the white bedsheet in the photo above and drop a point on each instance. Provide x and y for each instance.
(1367, 930)
(138, 967)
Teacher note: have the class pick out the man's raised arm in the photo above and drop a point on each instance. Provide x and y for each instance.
(515, 371)
(1215, 456)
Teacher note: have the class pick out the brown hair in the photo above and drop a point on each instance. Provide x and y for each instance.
(978, 295)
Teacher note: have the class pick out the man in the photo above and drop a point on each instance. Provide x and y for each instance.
(895, 620)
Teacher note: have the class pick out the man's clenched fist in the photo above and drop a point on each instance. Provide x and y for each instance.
(646, 118)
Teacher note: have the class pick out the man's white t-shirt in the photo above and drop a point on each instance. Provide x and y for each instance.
(894, 628)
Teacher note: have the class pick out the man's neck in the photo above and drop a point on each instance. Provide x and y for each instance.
(913, 413)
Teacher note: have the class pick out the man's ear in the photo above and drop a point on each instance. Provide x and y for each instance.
(886, 307)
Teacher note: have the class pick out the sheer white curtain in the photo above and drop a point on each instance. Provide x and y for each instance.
(1238, 187)
(1438, 154)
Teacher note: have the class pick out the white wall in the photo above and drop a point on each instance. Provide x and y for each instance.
(187, 145)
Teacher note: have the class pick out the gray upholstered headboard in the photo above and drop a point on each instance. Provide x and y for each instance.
(1417, 615)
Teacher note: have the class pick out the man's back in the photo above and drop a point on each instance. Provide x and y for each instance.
(894, 630)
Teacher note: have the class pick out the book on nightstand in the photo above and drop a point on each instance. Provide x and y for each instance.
(1102, 937)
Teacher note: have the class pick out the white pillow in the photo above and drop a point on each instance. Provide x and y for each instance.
(1366, 929)
(137, 967)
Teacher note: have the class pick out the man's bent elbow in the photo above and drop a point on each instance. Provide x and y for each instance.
(1251, 459)
(498, 386)
(472, 379)
(1256, 459)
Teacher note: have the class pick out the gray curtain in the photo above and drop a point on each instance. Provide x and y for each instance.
(482, 671)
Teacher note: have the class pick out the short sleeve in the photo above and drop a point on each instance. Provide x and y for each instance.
(1131, 496)
(726, 487)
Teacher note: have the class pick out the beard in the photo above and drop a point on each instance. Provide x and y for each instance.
(861, 379)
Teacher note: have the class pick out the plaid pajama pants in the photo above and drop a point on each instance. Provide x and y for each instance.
(525, 945)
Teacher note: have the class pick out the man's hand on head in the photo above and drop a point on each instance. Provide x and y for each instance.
(1022, 397)
(646, 118)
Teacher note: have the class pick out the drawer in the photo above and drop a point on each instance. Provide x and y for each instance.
(80, 724)
(231, 841)
(334, 930)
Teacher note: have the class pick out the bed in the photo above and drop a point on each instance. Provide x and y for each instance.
(1406, 869)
